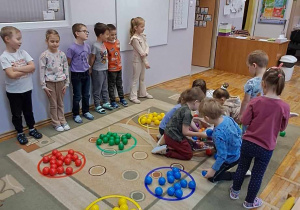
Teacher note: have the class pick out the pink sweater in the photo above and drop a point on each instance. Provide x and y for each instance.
(265, 117)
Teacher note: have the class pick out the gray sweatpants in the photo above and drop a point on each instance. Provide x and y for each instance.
(100, 87)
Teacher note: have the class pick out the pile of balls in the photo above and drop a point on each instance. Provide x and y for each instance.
(122, 205)
(176, 188)
(114, 139)
(152, 118)
(57, 162)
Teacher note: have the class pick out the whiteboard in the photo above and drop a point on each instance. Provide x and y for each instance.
(181, 14)
(155, 14)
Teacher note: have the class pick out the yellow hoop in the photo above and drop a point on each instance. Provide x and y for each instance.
(146, 126)
(114, 196)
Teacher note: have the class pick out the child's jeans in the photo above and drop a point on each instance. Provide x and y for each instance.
(115, 79)
(262, 158)
(81, 87)
(223, 174)
(21, 103)
(179, 150)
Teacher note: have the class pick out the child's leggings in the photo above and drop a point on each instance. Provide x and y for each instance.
(262, 158)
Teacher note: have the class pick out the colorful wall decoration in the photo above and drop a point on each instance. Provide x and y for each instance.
(273, 11)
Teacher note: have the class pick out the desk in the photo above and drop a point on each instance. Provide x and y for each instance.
(231, 54)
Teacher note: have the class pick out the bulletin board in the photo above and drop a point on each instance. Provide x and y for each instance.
(273, 11)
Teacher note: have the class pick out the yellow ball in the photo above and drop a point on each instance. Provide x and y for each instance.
(132, 209)
(143, 121)
(94, 207)
(116, 208)
(154, 119)
(150, 115)
(122, 201)
(124, 207)
(149, 121)
(159, 117)
(162, 114)
(144, 118)
(154, 114)
(156, 122)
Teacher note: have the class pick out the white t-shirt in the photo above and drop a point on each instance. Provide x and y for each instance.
(19, 58)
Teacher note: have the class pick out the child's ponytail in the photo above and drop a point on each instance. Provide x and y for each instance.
(135, 22)
(275, 77)
(132, 31)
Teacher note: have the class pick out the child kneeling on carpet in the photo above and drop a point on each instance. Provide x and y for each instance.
(177, 146)
(265, 116)
(226, 137)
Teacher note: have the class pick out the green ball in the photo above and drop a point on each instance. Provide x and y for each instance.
(101, 136)
(123, 137)
(125, 141)
(121, 146)
(111, 142)
(114, 134)
(99, 141)
(128, 135)
(111, 138)
(105, 139)
(108, 133)
(282, 133)
(117, 141)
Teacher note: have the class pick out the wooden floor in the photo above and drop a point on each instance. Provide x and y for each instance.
(286, 180)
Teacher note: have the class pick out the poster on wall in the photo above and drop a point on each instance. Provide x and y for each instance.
(273, 11)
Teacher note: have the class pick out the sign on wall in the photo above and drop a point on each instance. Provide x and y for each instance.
(273, 11)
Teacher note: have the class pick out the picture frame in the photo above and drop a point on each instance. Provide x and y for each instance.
(207, 18)
(204, 10)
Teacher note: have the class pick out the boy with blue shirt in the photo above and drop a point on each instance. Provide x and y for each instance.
(226, 137)
(77, 55)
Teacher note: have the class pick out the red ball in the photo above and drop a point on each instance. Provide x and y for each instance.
(71, 152)
(69, 156)
(74, 157)
(58, 154)
(68, 161)
(54, 151)
(69, 170)
(53, 158)
(53, 166)
(60, 170)
(46, 171)
(208, 152)
(53, 162)
(62, 158)
(52, 171)
(46, 159)
(77, 162)
(60, 163)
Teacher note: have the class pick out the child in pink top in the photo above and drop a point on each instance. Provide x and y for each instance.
(265, 116)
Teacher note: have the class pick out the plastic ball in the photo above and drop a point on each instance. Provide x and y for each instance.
(53, 166)
(195, 138)
(183, 183)
(209, 132)
(74, 157)
(150, 115)
(71, 152)
(143, 121)
(171, 191)
(69, 156)
(124, 207)
(53, 171)
(158, 191)
(144, 118)
(94, 207)
(156, 122)
(121, 146)
(109, 133)
(105, 139)
(101, 136)
(99, 141)
(58, 154)
(68, 161)
(177, 175)
(116, 208)
(177, 186)
(162, 181)
(125, 141)
(54, 151)
(208, 152)
(111, 138)
(204, 173)
(174, 169)
(155, 114)
(53, 162)
(128, 135)
(170, 173)
(148, 180)
(69, 170)
(78, 162)
(117, 141)
(159, 117)
(114, 134)
(62, 158)
(178, 193)
(192, 184)
(111, 142)
(46, 171)
(122, 201)
(282, 133)
(154, 118)
(59, 163)
(162, 114)
(149, 121)
(60, 170)
(171, 179)
(53, 158)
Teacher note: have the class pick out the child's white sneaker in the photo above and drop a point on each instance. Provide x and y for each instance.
(162, 150)
(66, 127)
(59, 128)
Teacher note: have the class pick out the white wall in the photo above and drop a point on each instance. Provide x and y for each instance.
(271, 30)
(167, 62)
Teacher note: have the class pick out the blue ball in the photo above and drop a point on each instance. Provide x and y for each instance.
(174, 169)
(215, 156)
(161, 180)
(209, 132)
(183, 183)
(170, 173)
(195, 138)
(158, 191)
(178, 193)
(171, 191)
(177, 175)
(171, 179)
(148, 180)
(204, 173)
(192, 185)
(177, 186)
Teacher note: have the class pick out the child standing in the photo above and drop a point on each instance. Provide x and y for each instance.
(177, 146)
(54, 76)
(257, 63)
(265, 116)
(99, 66)
(114, 67)
(140, 62)
(18, 66)
(77, 56)
(226, 137)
